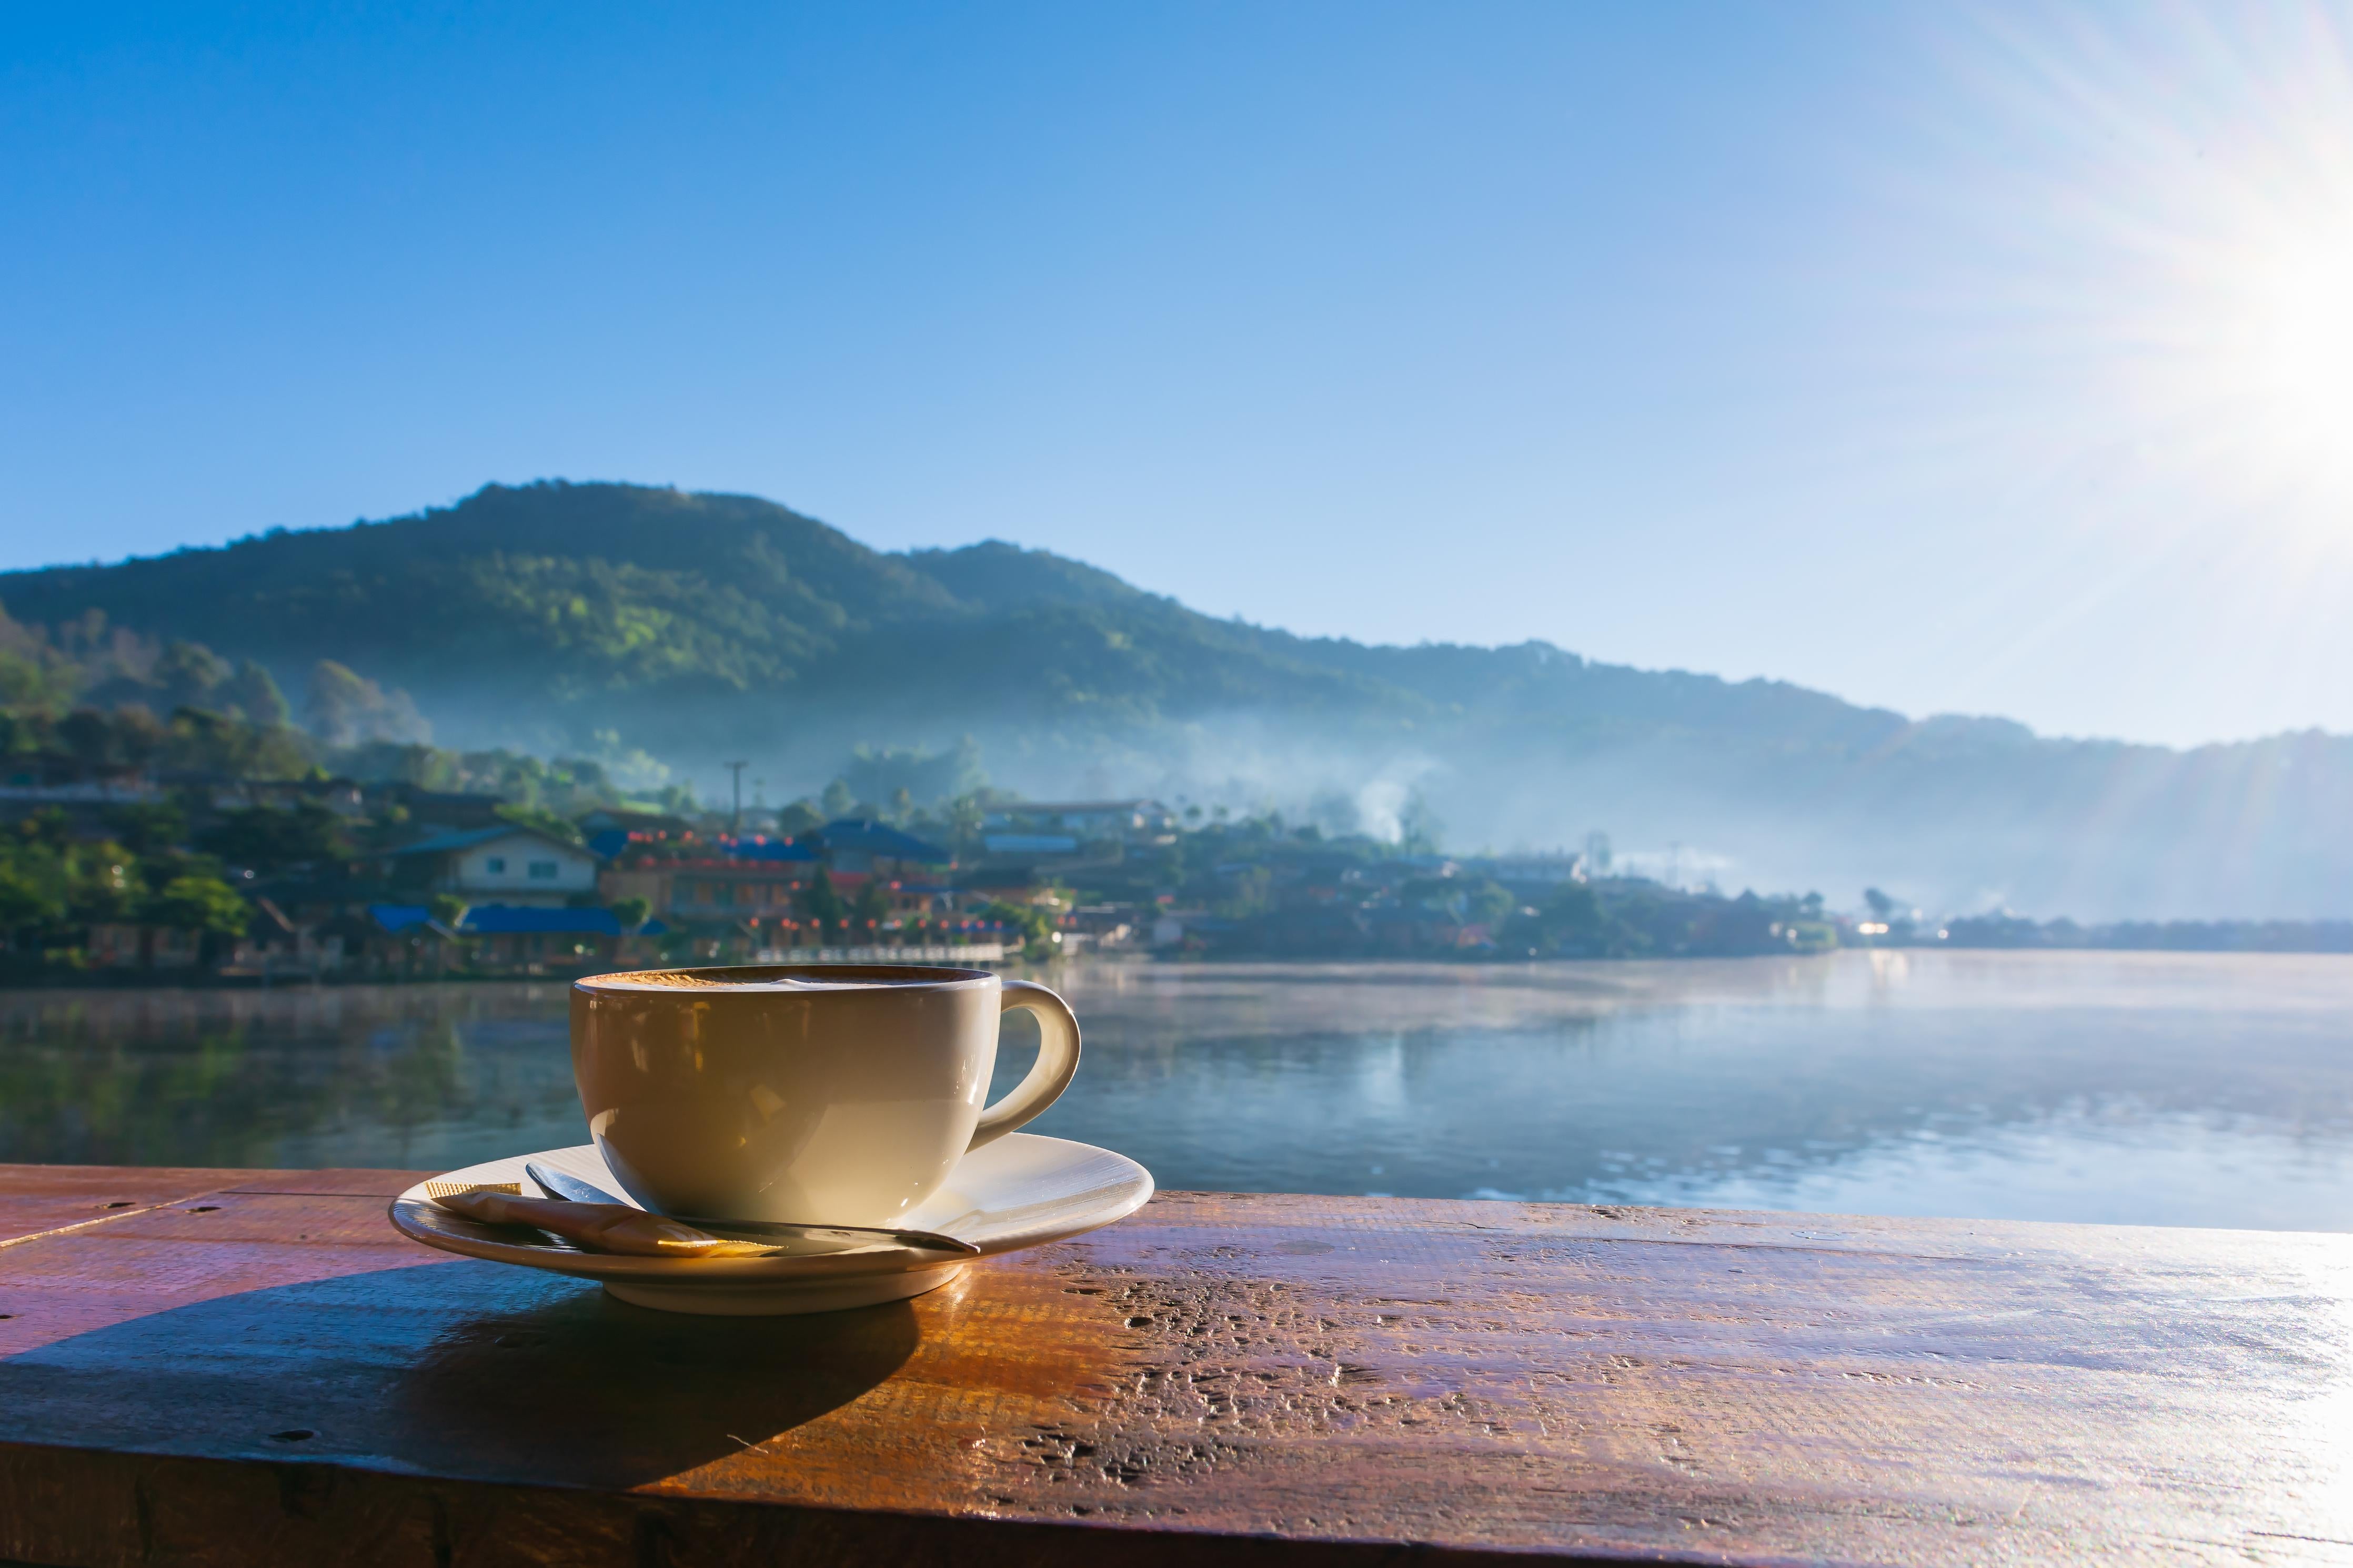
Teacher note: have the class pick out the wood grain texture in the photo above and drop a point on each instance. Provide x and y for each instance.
(269, 1375)
(36, 1199)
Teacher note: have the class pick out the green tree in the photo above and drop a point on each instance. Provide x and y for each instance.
(822, 903)
(837, 802)
(1880, 904)
(1573, 921)
(880, 775)
(198, 903)
(29, 680)
(88, 736)
(545, 821)
(199, 740)
(256, 697)
(343, 707)
(632, 912)
(268, 840)
(50, 825)
(23, 903)
(966, 816)
(447, 910)
(149, 829)
(106, 882)
(1027, 919)
(872, 905)
(189, 674)
(801, 816)
(1253, 894)
(1485, 902)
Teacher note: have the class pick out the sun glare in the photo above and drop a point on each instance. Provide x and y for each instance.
(2191, 198)
(2257, 280)
(2292, 373)
(2307, 335)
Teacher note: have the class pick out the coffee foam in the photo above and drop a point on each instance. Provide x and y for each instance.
(688, 979)
(668, 979)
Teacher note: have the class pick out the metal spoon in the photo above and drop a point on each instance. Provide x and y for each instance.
(555, 1184)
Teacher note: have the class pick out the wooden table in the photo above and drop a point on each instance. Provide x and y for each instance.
(250, 1367)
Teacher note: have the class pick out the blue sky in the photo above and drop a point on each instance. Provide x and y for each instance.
(1971, 359)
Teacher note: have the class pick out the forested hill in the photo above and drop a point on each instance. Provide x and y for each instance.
(605, 603)
(707, 626)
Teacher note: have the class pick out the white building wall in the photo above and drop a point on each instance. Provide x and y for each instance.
(523, 870)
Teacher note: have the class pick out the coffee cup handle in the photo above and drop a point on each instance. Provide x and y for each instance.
(1049, 1076)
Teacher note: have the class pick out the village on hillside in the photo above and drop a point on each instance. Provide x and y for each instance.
(212, 848)
(135, 876)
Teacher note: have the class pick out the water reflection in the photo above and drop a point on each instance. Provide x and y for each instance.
(2201, 1088)
(356, 1075)
(2156, 1088)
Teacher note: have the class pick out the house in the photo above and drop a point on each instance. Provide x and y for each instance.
(755, 881)
(903, 899)
(1102, 925)
(435, 811)
(276, 944)
(1532, 872)
(744, 879)
(88, 805)
(1084, 821)
(1030, 844)
(1003, 885)
(505, 864)
(311, 894)
(863, 845)
(611, 831)
(921, 899)
(534, 940)
(392, 941)
(124, 945)
(641, 825)
(345, 797)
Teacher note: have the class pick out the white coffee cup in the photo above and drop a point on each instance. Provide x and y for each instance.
(840, 1094)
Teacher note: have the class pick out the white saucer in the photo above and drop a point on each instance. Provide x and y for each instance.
(1021, 1191)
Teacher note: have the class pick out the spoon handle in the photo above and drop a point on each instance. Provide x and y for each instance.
(558, 1184)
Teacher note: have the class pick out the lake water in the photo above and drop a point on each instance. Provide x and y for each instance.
(2208, 1090)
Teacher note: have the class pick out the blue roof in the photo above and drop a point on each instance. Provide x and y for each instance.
(872, 837)
(509, 920)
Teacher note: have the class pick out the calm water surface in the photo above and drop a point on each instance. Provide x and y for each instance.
(2142, 1089)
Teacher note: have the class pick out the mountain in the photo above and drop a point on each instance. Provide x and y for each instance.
(703, 627)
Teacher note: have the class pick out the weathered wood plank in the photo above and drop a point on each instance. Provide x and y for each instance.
(280, 1379)
(35, 1199)
(338, 1183)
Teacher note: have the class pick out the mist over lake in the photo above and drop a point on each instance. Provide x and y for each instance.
(2200, 1090)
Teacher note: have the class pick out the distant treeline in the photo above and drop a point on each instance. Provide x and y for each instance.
(2152, 936)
